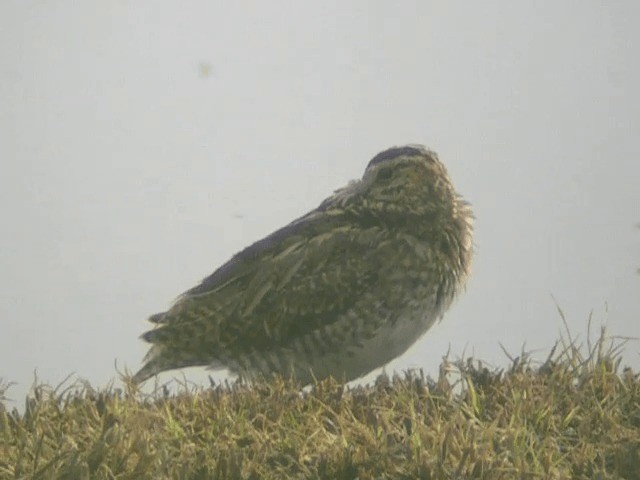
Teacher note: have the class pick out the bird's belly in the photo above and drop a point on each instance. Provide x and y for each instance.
(354, 361)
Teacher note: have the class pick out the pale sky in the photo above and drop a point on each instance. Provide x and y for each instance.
(144, 143)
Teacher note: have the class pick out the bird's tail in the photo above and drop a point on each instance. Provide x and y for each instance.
(153, 364)
(161, 358)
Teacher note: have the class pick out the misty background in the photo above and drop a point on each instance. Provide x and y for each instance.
(144, 143)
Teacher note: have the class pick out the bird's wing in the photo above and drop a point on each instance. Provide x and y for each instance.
(297, 280)
(314, 223)
(244, 262)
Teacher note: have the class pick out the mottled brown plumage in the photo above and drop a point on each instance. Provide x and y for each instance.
(340, 291)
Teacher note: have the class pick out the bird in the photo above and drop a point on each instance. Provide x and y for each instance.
(338, 292)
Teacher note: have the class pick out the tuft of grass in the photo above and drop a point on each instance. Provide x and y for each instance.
(577, 415)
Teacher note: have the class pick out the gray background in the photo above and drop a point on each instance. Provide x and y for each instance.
(143, 143)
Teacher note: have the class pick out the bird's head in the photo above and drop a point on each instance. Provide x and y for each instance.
(408, 179)
(408, 188)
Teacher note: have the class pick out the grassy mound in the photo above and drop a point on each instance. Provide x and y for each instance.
(575, 416)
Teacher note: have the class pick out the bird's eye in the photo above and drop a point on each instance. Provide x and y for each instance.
(384, 174)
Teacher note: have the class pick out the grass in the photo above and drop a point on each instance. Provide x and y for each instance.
(577, 415)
